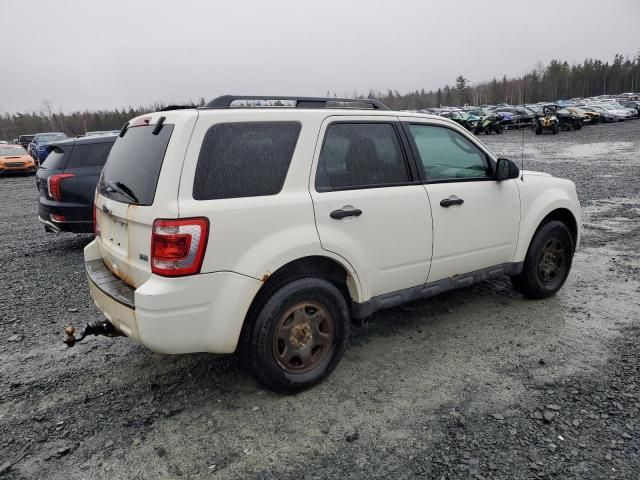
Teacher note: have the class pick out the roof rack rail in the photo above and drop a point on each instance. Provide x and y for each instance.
(253, 101)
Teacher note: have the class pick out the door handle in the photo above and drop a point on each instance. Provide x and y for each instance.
(452, 200)
(342, 213)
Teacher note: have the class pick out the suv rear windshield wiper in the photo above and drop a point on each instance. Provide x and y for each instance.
(123, 190)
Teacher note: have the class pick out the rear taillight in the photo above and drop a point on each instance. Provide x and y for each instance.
(53, 184)
(178, 246)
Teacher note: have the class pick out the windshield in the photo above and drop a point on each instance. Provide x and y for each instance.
(49, 137)
(133, 166)
(596, 108)
(11, 151)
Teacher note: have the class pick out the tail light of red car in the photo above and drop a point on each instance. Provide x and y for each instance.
(178, 246)
(53, 184)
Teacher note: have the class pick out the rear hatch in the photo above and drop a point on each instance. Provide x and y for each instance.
(139, 183)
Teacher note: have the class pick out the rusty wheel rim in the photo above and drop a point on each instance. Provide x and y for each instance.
(303, 337)
(552, 263)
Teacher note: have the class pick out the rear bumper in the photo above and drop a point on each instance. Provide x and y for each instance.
(199, 313)
(78, 217)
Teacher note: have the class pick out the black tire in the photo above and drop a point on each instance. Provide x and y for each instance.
(544, 272)
(538, 130)
(266, 323)
(556, 129)
(499, 130)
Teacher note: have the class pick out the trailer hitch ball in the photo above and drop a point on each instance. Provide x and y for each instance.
(104, 327)
(70, 339)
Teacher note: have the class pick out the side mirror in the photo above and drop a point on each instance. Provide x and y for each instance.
(506, 169)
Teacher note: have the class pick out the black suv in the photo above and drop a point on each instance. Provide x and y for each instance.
(67, 181)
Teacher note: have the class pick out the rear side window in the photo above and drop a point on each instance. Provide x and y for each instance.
(57, 158)
(246, 159)
(89, 155)
(357, 155)
(133, 167)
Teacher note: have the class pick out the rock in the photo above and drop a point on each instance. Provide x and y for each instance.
(552, 406)
(14, 338)
(160, 451)
(513, 431)
(497, 416)
(537, 415)
(548, 416)
(109, 444)
(541, 361)
(353, 436)
(575, 423)
(63, 451)
(552, 447)
(72, 310)
(5, 467)
(608, 456)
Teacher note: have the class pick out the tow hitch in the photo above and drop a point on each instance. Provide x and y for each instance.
(103, 327)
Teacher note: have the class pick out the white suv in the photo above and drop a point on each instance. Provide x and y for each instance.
(266, 225)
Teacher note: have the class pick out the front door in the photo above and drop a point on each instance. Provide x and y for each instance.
(475, 218)
(368, 208)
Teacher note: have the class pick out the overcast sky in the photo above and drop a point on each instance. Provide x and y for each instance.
(97, 54)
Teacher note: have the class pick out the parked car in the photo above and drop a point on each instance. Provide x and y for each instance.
(15, 159)
(268, 229)
(587, 116)
(38, 146)
(604, 115)
(621, 112)
(67, 181)
(25, 140)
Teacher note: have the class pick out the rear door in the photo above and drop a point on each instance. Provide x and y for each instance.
(369, 208)
(139, 183)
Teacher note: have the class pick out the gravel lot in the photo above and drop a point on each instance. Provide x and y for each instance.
(477, 383)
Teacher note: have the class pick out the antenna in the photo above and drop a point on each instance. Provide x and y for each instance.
(524, 102)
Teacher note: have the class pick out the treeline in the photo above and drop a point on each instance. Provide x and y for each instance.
(555, 81)
(73, 124)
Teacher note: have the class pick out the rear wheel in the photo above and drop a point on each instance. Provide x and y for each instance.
(556, 128)
(547, 263)
(296, 335)
(538, 130)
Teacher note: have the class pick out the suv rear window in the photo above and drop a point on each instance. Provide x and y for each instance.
(56, 159)
(89, 155)
(245, 159)
(134, 164)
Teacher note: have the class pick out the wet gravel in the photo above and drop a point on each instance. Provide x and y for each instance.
(477, 383)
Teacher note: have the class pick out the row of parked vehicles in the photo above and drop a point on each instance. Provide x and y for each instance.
(267, 225)
(541, 117)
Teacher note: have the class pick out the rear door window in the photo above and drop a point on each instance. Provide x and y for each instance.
(245, 159)
(360, 155)
(89, 155)
(133, 167)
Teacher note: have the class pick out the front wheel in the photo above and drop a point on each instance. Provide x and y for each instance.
(296, 335)
(548, 262)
